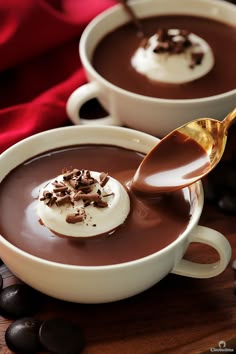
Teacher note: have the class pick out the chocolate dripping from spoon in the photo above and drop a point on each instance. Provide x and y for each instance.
(184, 156)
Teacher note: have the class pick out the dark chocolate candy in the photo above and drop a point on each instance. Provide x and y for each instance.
(60, 336)
(19, 300)
(22, 336)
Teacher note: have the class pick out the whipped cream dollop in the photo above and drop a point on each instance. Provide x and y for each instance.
(82, 203)
(173, 56)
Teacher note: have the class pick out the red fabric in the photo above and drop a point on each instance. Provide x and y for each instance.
(39, 62)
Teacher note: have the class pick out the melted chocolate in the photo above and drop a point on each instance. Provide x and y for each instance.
(113, 54)
(150, 226)
(173, 162)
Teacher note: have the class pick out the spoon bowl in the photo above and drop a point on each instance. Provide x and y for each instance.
(184, 156)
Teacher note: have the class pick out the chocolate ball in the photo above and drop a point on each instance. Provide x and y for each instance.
(19, 300)
(22, 336)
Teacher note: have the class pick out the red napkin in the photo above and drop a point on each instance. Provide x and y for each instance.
(39, 62)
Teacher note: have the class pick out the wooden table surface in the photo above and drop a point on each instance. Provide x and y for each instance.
(178, 315)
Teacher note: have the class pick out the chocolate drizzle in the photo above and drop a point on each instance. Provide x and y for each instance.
(77, 185)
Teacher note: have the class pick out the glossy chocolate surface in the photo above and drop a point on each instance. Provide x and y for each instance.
(172, 164)
(112, 58)
(150, 226)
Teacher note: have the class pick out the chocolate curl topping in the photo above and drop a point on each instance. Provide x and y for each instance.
(58, 184)
(197, 58)
(78, 185)
(46, 195)
(85, 189)
(93, 197)
(60, 189)
(162, 34)
(172, 43)
(86, 181)
(74, 218)
(69, 174)
(51, 201)
(101, 204)
(103, 179)
(73, 183)
(63, 200)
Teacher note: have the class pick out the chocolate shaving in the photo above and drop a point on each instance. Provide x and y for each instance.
(77, 195)
(78, 185)
(93, 197)
(87, 203)
(63, 200)
(103, 179)
(69, 174)
(176, 42)
(100, 204)
(74, 218)
(85, 189)
(108, 195)
(46, 195)
(60, 189)
(172, 43)
(58, 184)
(51, 201)
(87, 180)
(73, 182)
(197, 58)
(40, 222)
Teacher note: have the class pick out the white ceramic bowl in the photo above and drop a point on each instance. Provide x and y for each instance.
(97, 284)
(152, 115)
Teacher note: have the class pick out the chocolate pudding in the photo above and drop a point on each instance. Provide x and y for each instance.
(112, 58)
(151, 224)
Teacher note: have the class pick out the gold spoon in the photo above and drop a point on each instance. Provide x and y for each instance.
(184, 156)
(133, 17)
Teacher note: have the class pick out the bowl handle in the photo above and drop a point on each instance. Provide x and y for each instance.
(212, 238)
(79, 97)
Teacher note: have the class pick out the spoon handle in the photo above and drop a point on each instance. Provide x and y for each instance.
(133, 17)
(229, 119)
